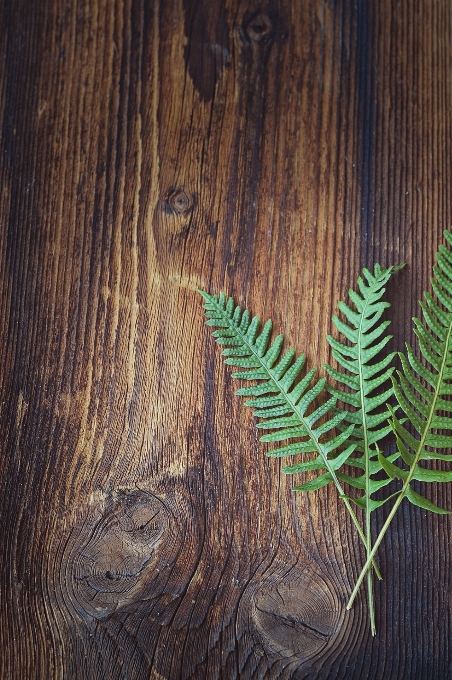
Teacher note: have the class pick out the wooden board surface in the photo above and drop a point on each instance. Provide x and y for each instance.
(148, 149)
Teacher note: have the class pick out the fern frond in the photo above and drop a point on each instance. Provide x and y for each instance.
(423, 393)
(369, 388)
(426, 402)
(368, 381)
(282, 399)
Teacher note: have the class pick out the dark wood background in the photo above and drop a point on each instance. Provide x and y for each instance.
(269, 149)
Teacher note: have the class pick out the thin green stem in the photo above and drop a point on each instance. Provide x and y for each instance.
(361, 534)
(367, 472)
(373, 629)
(374, 549)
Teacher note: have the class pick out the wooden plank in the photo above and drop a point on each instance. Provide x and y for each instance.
(149, 149)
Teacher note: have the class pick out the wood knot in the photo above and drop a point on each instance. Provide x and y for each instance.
(294, 619)
(116, 554)
(259, 27)
(179, 201)
(294, 616)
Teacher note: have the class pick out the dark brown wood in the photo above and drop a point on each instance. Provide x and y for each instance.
(149, 149)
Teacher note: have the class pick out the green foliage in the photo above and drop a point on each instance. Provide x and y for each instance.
(423, 393)
(367, 379)
(282, 399)
(344, 423)
(423, 390)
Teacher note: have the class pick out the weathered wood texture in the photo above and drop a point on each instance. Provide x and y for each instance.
(149, 148)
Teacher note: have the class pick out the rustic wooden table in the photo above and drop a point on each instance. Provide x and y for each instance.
(150, 148)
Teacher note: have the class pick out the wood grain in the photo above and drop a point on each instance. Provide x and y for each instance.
(148, 149)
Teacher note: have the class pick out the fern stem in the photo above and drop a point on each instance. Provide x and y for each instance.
(375, 547)
(361, 534)
(411, 471)
(370, 592)
(367, 471)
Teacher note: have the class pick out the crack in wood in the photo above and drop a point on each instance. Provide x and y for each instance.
(292, 622)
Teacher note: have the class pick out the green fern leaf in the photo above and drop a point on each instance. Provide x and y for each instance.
(282, 399)
(428, 407)
(364, 376)
(369, 388)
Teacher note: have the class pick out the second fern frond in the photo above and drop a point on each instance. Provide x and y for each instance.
(368, 388)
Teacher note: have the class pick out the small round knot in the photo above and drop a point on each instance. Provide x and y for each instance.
(259, 27)
(180, 201)
(293, 614)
